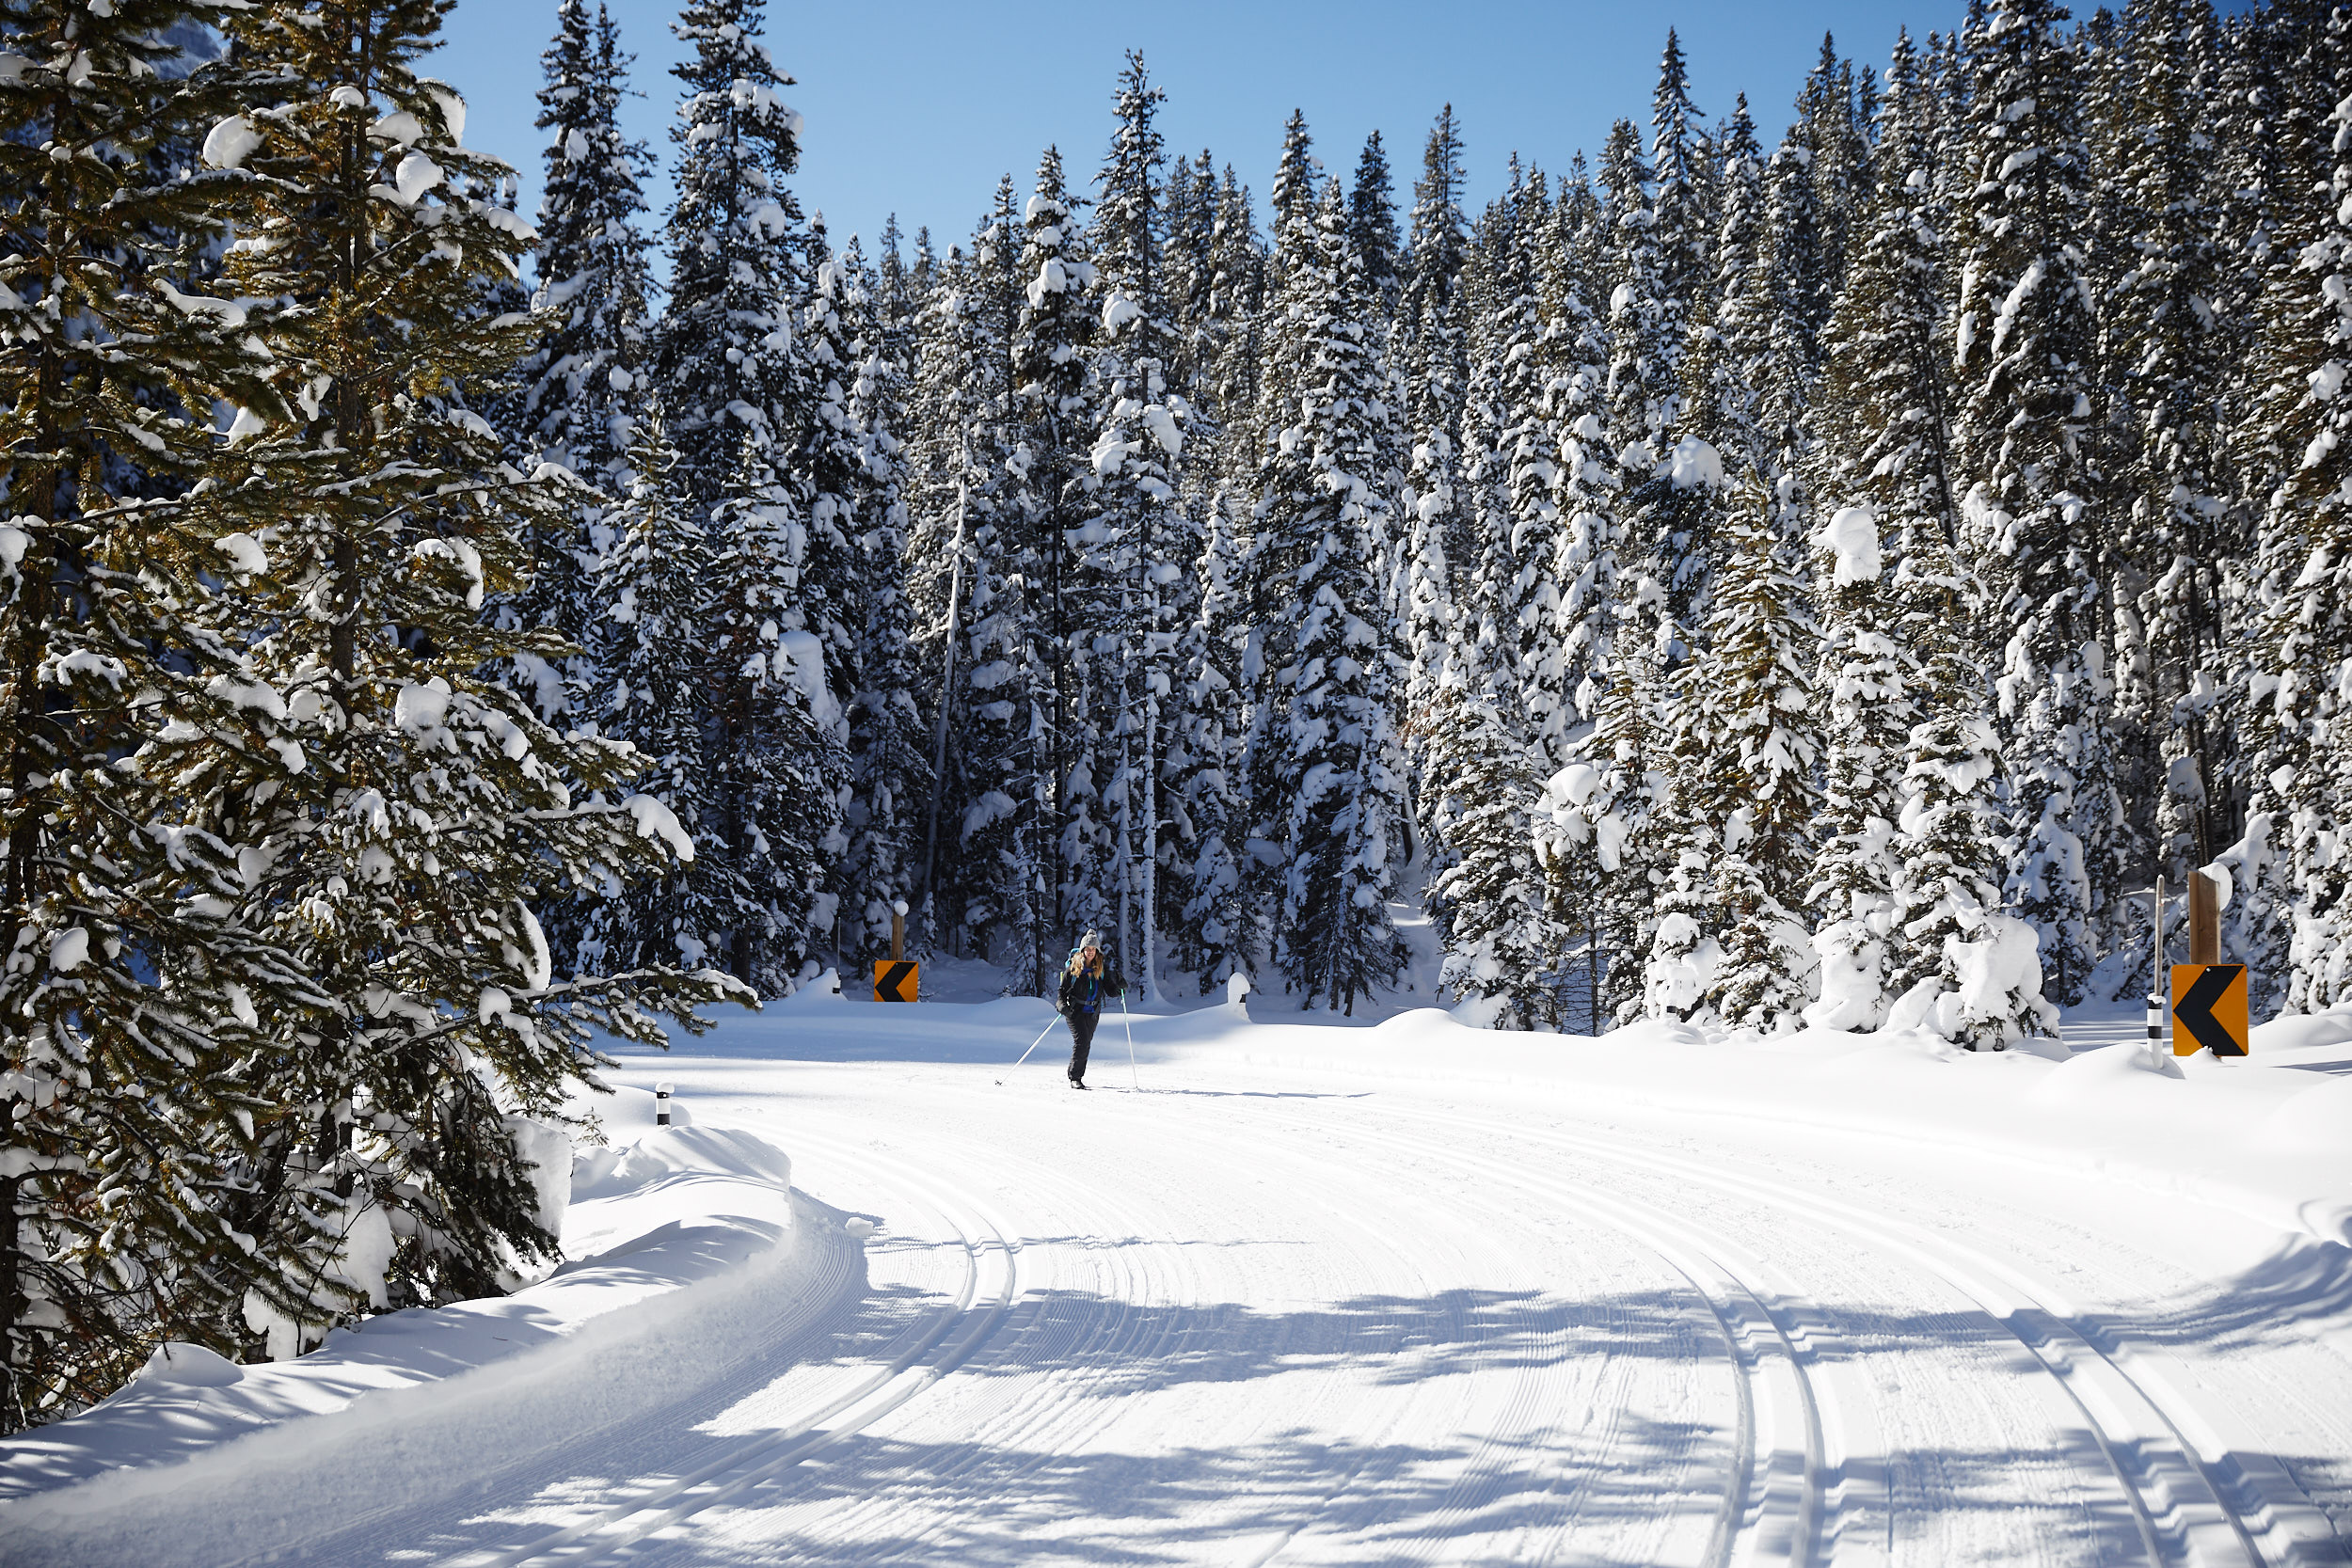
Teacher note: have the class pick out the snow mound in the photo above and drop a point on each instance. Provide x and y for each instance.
(2301, 1031)
(667, 1152)
(189, 1367)
(682, 1244)
(2318, 1121)
(2100, 1074)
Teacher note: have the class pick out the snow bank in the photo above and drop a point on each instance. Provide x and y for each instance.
(687, 1246)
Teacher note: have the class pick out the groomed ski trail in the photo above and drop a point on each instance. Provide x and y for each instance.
(1257, 1316)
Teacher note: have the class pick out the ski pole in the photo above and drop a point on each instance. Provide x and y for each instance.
(1130, 1020)
(1035, 1043)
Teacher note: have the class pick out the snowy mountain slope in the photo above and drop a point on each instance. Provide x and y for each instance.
(1416, 1292)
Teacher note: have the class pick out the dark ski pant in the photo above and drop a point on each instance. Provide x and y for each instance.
(1081, 1040)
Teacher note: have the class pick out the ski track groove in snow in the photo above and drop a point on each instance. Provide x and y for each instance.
(752, 1462)
(1767, 1514)
(2177, 1494)
(1528, 1389)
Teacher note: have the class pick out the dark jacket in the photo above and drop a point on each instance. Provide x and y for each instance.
(1084, 993)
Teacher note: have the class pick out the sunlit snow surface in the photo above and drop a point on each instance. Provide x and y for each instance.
(1332, 1292)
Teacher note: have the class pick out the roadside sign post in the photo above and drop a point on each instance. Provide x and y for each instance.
(2204, 919)
(897, 981)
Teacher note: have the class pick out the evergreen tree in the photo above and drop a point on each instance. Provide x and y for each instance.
(1144, 535)
(1206, 810)
(577, 401)
(2026, 354)
(2300, 671)
(1739, 815)
(722, 359)
(890, 768)
(400, 863)
(1965, 967)
(778, 770)
(1676, 232)
(1322, 526)
(1885, 407)
(656, 577)
(1867, 677)
(1503, 944)
(135, 1054)
(2163, 335)
(1057, 413)
(1372, 225)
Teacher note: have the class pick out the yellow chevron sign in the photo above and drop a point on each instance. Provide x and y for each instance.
(2209, 1009)
(895, 979)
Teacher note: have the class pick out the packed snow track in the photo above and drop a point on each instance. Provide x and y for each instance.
(1262, 1314)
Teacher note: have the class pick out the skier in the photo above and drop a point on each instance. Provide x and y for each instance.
(1086, 980)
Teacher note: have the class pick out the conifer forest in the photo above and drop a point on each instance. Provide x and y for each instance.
(1824, 583)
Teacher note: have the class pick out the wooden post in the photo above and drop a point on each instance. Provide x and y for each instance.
(2204, 919)
(897, 930)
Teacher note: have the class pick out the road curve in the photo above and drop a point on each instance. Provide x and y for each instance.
(1253, 1316)
(1269, 1320)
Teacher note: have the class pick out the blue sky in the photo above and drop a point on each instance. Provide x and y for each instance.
(917, 108)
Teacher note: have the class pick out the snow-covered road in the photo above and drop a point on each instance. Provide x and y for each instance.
(1293, 1314)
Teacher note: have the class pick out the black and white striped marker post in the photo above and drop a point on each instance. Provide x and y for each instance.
(661, 1104)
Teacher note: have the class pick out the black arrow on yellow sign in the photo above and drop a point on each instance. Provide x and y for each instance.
(896, 980)
(2209, 1008)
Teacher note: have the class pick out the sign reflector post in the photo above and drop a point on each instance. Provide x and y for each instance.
(2209, 1009)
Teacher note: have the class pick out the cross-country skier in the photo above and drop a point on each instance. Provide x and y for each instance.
(1086, 980)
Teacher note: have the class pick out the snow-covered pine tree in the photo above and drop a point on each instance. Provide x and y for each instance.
(2165, 339)
(1372, 227)
(1744, 314)
(1512, 520)
(1964, 966)
(577, 384)
(2303, 666)
(1145, 538)
(824, 469)
(1235, 332)
(1837, 164)
(1055, 406)
(1884, 408)
(656, 666)
(1206, 810)
(1798, 288)
(1738, 824)
(1882, 414)
(1664, 559)
(1676, 233)
(1584, 494)
(139, 971)
(1188, 206)
(2026, 360)
(1279, 344)
(1503, 946)
(1430, 335)
(1865, 679)
(983, 589)
(825, 463)
(1430, 348)
(399, 863)
(1339, 795)
(890, 745)
(778, 769)
(724, 354)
